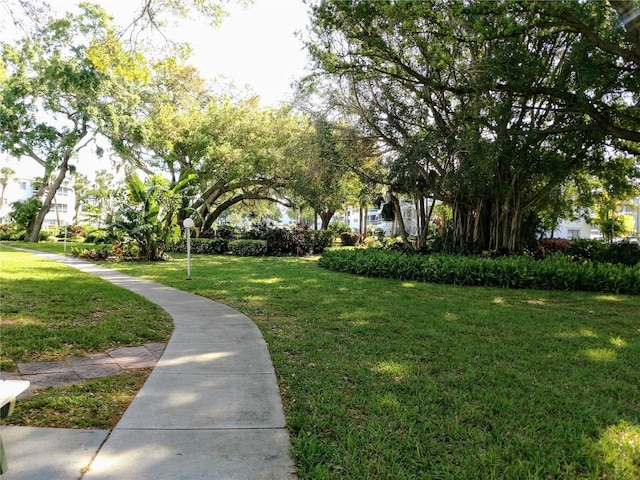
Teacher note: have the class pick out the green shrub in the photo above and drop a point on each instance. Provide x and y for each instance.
(337, 227)
(557, 272)
(625, 253)
(10, 232)
(206, 246)
(297, 240)
(225, 231)
(584, 249)
(100, 253)
(73, 231)
(248, 248)
(95, 236)
(43, 235)
(320, 240)
(372, 242)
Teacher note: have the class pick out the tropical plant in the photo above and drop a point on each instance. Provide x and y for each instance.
(149, 220)
(24, 214)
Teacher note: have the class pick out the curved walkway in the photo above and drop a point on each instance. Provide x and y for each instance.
(211, 408)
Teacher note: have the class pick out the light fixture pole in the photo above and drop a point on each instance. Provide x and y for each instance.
(188, 225)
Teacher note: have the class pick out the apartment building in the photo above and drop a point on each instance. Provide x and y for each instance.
(20, 186)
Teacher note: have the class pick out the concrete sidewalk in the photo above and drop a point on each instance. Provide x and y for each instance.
(211, 408)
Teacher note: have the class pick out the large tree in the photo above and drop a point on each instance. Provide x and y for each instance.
(150, 14)
(326, 181)
(60, 87)
(239, 151)
(489, 106)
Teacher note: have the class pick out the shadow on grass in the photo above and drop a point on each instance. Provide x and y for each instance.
(389, 379)
(381, 377)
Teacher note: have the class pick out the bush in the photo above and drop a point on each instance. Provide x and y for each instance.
(225, 231)
(337, 227)
(554, 245)
(350, 239)
(320, 240)
(73, 231)
(624, 253)
(95, 236)
(584, 249)
(298, 240)
(10, 232)
(248, 248)
(372, 242)
(101, 253)
(557, 272)
(206, 246)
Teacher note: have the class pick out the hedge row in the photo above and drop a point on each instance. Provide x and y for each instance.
(201, 245)
(554, 273)
(275, 241)
(248, 248)
(291, 241)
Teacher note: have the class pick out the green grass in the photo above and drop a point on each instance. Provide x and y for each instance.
(50, 311)
(97, 403)
(390, 379)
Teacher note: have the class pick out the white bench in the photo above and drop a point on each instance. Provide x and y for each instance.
(9, 390)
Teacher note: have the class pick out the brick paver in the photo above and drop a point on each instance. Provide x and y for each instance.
(76, 369)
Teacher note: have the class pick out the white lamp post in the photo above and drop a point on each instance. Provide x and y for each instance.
(188, 225)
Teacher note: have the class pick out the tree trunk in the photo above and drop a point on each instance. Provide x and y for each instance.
(366, 222)
(34, 232)
(400, 221)
(326, 218)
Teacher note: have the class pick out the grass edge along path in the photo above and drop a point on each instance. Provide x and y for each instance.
(395, 379)
(51, 311)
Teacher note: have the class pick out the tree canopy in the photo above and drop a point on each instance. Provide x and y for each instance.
(63, 85)
(489, 107)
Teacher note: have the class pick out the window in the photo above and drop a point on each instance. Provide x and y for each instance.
(23, 185)
(574, 233)
(63, 191)
(62, 207)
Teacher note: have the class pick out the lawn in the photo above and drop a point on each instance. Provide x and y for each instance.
(51, 311)
(390, 379)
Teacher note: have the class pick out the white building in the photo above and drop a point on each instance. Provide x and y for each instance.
(581, 229)
(351, 217)
(20, 186)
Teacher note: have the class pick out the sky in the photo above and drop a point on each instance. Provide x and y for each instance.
(255, 45)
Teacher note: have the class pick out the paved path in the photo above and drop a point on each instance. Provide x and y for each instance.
(211, 408)
(114, 361)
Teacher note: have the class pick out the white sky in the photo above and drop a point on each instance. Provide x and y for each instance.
(255, 45)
